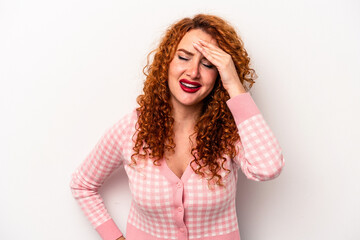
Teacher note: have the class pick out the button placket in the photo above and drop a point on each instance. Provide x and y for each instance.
(179, 211)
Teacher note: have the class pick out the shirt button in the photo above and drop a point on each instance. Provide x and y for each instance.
(180, 209)
(179, 185)
(182, 230)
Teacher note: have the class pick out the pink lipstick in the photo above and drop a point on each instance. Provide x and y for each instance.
(189, 86)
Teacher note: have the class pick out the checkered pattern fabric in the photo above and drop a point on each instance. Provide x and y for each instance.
(165, 206)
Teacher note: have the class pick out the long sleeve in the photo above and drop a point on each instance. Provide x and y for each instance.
(259, 153)
(88, 178)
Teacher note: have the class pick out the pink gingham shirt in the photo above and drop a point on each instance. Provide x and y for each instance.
(164, 206)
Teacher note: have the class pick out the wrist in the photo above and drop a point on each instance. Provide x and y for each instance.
(234, 90)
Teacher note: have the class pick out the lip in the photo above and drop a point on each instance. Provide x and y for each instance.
(189, 89)
(190, 82)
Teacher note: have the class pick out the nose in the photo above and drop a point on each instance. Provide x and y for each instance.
(193, 70)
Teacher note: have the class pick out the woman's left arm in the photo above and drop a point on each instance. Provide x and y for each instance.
(259, 153)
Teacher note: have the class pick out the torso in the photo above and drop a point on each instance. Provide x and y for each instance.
(157, 190)
(180, 159)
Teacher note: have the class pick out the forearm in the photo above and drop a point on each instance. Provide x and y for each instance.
(90, 175)
(260, 156)
(235, 89)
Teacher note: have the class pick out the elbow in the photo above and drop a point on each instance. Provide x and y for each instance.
(275, 168)
(79, 189)
(82, 186)
(74, 186)
(266, 171)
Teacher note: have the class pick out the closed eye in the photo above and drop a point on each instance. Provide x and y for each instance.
(182, 58)
(208, 65)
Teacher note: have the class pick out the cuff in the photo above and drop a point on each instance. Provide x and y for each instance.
(109, 231)
(242, 107)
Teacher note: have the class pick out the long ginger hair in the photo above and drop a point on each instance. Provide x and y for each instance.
(215, 130)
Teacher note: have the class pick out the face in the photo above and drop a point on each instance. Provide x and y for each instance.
(191, 75)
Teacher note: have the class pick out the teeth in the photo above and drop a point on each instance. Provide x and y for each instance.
(189, 85)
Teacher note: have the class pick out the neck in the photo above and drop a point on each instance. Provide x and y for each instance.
(185, 117)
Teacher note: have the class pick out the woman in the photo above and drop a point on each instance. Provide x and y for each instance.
(181, 148)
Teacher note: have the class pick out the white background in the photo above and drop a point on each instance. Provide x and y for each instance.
(71, 69)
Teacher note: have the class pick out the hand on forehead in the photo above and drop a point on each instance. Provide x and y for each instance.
(193, 36)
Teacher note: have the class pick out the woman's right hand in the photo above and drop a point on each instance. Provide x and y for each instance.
(121, 238)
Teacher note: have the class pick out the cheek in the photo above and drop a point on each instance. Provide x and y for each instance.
(211, 77)
(175, 68)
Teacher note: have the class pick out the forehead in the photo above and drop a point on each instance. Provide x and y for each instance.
(195, 35)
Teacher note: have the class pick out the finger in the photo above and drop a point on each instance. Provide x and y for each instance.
(216, 52)
(205, 53)
(210, 46)
(215, 57)
(222, 56)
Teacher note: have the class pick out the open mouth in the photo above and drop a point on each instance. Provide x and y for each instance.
(188, 86)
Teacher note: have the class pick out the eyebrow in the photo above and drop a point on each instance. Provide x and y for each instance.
(185, 51)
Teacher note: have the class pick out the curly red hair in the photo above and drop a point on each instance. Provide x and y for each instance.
(216, 131)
